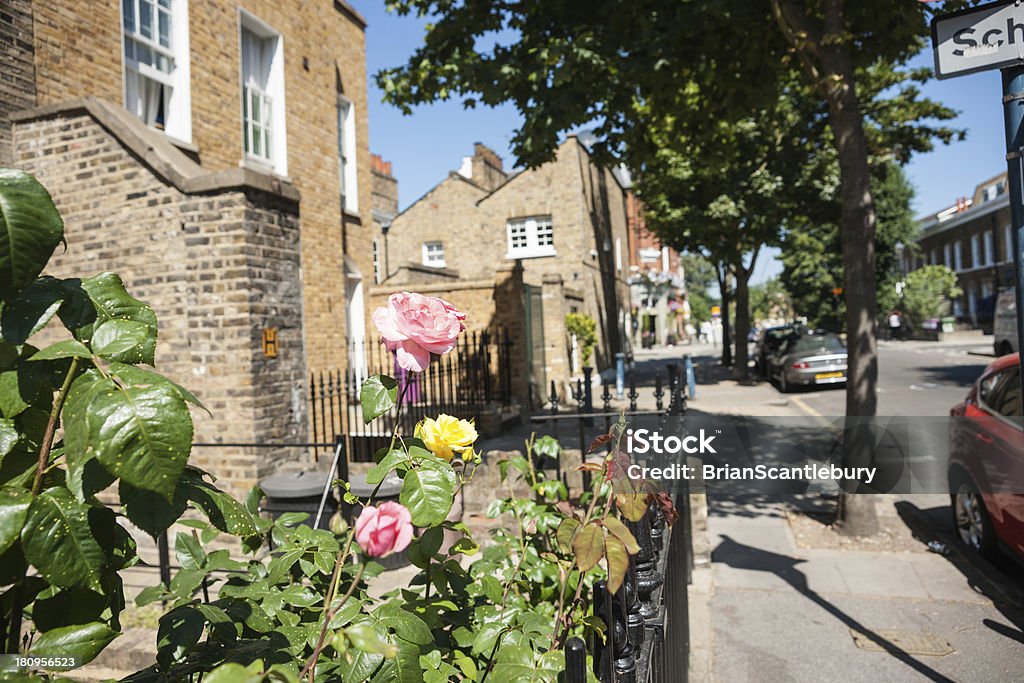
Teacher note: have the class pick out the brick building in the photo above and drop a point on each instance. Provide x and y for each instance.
(972, 238)
(215, 154)
(656, 283)
(564, 224)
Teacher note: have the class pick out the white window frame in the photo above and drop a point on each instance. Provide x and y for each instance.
(934, 257)
(276, 160)
(433, 254)
(1007, 244)
(347, 169)
(534, 235)
(988, 240)
(958, 256)
(947, 255)
(176, 82)
(975, 253)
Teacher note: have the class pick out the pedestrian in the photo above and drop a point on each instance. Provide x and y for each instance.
(895, 325)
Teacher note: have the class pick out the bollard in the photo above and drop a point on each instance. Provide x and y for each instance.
(691, 377)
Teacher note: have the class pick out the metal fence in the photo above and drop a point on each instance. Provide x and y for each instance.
(647, 635)
(475, 376)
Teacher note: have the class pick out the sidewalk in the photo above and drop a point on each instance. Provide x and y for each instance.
(782, 597)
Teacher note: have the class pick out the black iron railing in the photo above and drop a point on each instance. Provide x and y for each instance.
(647, 634)
(474, 377)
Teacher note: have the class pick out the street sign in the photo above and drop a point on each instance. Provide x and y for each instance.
(992, 37)
(978, 39)
(716, 311)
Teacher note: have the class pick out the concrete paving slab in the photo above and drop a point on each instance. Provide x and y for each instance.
(881, 574)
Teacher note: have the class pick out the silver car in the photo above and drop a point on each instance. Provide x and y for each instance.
(808, 359)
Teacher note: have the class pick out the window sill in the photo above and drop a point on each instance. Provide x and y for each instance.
(530, 253)
(442, 264)
(264, 167)
(352, 216)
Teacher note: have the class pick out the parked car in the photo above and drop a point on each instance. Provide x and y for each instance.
(808, 358)
(1004, 324)
(768, 343)
(986, 461)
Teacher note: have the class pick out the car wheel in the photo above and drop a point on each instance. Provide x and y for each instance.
(973, 525)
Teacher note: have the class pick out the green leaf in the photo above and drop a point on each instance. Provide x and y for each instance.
(30, 229)
(366, 638)
(404, 667)
(92, 302)
(8, 436)
(142, 434)
(362, 666)
(621, 532)
(618, 562)
(179, 631)
(588, 546)
(65, 606)
(406, 625)
(223, 511)
(188, 551)
(59, 541)
(136, 376)
(564, 535)
(69, 348)
(428, 493)
(376, 474)
(121, 340)
(83, 641)
(150, 511)
(378, 395)
(31, 310)
(13, 510)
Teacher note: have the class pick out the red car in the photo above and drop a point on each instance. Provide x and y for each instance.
(986, 465)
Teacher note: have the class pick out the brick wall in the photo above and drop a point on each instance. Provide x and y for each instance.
(217, 269)
(17, 54)
(78, 53)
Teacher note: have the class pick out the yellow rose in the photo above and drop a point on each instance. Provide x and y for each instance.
(447, 435)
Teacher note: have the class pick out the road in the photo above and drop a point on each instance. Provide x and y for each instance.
(913, 379)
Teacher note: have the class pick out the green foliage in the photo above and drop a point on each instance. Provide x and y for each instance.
(378, 395)
(812, 253)
(61, 547)
(769, 299)
(585, 330)
(926, 291)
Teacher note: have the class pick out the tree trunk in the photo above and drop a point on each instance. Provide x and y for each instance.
(723, 287)
(740, 371)
(857, 229)
(831, 47)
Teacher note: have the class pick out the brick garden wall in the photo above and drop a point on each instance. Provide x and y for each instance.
(217, 268)
(17, 54)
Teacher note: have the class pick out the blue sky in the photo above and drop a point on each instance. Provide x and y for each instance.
(423, 147)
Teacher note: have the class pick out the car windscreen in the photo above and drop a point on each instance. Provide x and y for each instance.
(817, 343)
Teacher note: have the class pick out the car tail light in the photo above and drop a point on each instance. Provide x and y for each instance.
(801, 365)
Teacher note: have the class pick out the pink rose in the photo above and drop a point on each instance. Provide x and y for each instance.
(384, 530)
(414, 326)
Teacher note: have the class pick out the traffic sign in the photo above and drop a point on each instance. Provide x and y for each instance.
(992, 37)
(978, 39)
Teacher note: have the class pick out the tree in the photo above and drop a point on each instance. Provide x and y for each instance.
(926, 292)
(770, 299)
(611, 66)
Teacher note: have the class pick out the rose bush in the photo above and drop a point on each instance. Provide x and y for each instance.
(70, 429)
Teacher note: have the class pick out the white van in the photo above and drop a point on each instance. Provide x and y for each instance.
(1004, 324)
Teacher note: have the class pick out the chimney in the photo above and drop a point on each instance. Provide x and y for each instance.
(487, 170)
